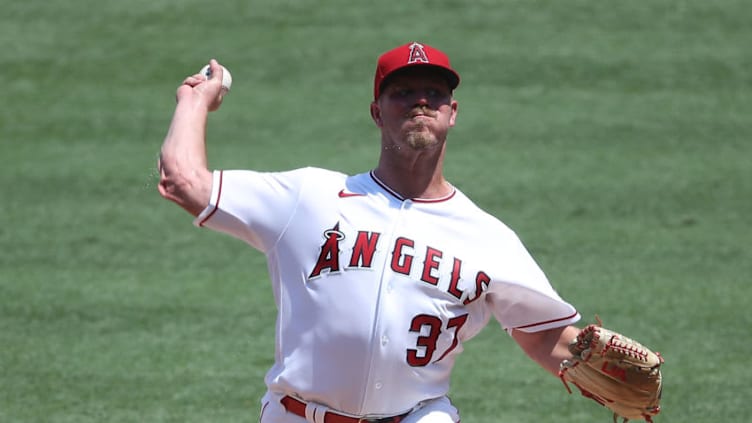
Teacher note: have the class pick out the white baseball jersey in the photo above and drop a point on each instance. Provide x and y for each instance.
(377, 293)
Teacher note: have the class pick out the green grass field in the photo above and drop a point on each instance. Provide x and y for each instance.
(615, 137)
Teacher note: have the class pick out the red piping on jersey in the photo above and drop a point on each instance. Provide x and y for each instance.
(416, 200)
(216, 206)
(546, 322)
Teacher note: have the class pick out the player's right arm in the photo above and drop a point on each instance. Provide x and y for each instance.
(184, 175)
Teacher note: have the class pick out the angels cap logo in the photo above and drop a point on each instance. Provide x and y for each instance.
(417, 54)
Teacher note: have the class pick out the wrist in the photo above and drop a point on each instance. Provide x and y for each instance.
(192, 105)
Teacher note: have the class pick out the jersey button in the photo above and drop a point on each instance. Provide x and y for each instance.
(384, 340)
(377, 385)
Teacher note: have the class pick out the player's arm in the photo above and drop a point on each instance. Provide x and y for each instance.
(549, 347)
(184, 174)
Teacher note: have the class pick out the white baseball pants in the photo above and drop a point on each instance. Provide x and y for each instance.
(438, 410)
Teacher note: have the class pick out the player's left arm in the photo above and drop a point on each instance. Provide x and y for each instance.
(548, 347)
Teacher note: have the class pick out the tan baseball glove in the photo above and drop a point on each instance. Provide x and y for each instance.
(617, 372)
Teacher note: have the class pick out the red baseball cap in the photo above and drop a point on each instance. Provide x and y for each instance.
(412, 54)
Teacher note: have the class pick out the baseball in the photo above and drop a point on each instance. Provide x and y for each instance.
(226, 76)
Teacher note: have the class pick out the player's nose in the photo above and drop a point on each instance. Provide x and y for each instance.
(421, 101)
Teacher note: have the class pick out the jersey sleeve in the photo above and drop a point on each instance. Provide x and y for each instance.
(523, 299)
(252, 206)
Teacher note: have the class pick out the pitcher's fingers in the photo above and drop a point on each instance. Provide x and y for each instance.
(194, 80)
(217, 72)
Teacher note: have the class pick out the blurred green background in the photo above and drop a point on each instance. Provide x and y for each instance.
(613, 136)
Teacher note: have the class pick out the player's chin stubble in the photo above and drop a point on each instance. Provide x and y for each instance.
(415, 138)
(419, 139)
(419, 135)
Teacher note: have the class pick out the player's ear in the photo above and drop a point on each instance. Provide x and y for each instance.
(453, 117)
(376, 114)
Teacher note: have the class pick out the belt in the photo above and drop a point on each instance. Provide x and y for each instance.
(296, 406)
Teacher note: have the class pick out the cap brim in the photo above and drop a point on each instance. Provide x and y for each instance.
(452, 78)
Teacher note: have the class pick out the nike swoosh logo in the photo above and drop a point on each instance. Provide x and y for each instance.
(345, 194)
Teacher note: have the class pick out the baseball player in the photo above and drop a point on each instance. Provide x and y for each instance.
(379, 278)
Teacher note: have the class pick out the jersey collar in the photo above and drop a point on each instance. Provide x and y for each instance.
(416, 200)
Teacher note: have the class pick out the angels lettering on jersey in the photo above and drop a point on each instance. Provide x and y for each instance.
(402, 255)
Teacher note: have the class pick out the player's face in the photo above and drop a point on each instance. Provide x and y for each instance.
(416, 109)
